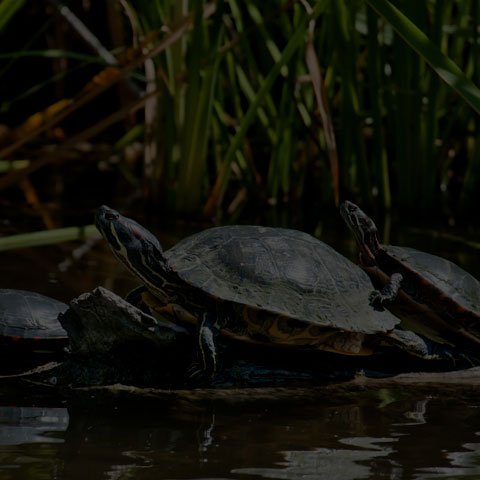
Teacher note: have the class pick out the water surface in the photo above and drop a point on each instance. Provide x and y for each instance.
(375, 435)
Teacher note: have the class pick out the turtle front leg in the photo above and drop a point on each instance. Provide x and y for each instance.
(208, 330)
(141, 298)
(135, 298)
(388, 293)
(207, 333)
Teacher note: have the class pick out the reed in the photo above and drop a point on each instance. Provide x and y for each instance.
(274, 102)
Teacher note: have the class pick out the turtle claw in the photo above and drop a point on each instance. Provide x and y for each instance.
(376, 299)
(194, 369)
(197, 376)
(388, 294)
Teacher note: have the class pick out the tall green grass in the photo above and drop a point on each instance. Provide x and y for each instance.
(425, 105)
(289, 102)
(240, 121)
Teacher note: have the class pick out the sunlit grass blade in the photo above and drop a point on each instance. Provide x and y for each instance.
(84, 33)
(48, 237)
(10, 166)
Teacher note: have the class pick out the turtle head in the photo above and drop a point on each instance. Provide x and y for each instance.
(364, 231)
(132, 244)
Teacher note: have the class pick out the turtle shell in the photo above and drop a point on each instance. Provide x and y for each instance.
(30, 315)
(449, 278)
(282, 271)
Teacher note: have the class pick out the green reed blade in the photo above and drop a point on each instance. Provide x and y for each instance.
(376, 83)
(8, 8)
(434, 87)
(313, 66)
(293, 44)
(279, 177)
(249, 93)
(408, 145)
(198, 112)
(350, 137)
(444, 66)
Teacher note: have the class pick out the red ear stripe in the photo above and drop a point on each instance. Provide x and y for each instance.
(135, 232)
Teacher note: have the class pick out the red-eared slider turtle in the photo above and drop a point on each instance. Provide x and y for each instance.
(257, 284)
(30, 317)
(443, 291)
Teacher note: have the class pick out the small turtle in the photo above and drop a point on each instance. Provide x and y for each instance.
(29, 317)
(257, 284)
(446, 296)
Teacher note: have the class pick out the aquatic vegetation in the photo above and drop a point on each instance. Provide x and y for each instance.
(240, 104)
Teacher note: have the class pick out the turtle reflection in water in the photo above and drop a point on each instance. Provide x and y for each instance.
(447, 297)
(257, 284)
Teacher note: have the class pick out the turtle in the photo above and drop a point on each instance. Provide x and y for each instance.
(29, 317)
(445, 297)
(266, 285)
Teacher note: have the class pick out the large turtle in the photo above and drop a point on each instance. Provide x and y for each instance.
(447, 297)
(257, 284)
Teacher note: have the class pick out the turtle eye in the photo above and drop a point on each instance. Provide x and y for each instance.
(110, 216)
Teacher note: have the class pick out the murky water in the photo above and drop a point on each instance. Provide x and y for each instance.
(415, 437)
(388, 433)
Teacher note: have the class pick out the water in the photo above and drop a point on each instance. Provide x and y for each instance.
(418, 437)
(394, 433)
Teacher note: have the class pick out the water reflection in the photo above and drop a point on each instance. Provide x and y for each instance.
(31, 439)
(322, 463)
(464, 464)
(403, 454)
(356, 438)
(20, 425)
(417, 414)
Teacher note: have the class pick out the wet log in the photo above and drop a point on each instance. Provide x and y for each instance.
(47, 382)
